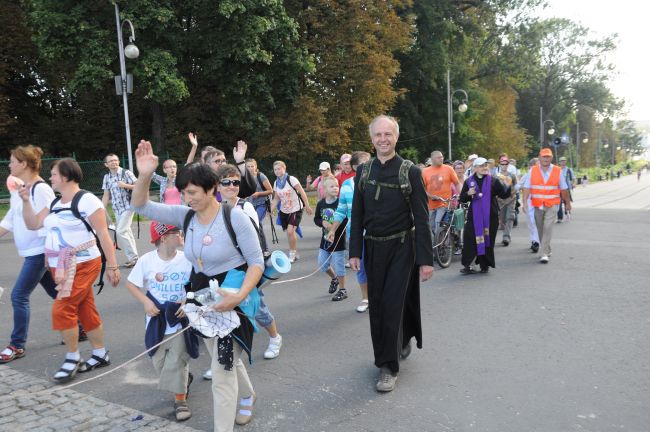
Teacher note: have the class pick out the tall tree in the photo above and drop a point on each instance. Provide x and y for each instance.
(353, 45)
(236, 59)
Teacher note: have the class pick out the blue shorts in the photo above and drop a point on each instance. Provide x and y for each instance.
(337, 261)
(264, 317)
(362, 277)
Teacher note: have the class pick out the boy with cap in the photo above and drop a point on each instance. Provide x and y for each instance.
(158, 281)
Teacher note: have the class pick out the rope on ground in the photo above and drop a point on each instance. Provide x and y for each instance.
(319, 268)
(116, 368)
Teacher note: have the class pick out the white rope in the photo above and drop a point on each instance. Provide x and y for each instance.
(319, 268)
(76, 383)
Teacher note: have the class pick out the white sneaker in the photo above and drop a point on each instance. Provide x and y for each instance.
(544, 259)
(293, 256)
(273, 349)
(207, 375)
(363, 306)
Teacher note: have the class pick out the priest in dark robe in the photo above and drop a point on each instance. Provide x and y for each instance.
(481, 191)
(393, 234)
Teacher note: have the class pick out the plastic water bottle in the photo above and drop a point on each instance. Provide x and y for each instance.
(206, 296)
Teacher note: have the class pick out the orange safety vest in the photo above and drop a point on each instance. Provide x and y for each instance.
(541, 193)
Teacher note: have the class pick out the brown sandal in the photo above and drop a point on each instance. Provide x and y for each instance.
(16, 353)
(182, 410)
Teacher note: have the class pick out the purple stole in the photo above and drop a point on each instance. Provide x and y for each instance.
(481, 213)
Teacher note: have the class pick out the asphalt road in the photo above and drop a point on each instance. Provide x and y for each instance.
(528, 347)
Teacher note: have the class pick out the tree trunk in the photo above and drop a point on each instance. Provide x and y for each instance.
(156, 127)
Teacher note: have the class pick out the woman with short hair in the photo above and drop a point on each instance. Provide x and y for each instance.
(212, 255)
(75, 260)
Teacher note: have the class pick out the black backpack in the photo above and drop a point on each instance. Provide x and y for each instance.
(74, 208)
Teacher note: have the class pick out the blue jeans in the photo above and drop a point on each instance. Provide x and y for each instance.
(32, 272)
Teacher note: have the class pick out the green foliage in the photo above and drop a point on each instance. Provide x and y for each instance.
(301, 79)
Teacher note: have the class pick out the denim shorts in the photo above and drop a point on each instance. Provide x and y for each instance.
(337, 261)
(264, 317)
(362, 277)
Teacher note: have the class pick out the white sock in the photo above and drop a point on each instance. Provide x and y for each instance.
(278, 338)
(68, 366)
(99, 352)
(246, 401)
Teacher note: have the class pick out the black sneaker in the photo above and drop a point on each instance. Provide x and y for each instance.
(334, 284)
(534, 247)
(340, 295)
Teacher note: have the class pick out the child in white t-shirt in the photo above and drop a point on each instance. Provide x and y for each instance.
(158, 281)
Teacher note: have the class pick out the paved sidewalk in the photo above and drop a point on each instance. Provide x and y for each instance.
(28, 407)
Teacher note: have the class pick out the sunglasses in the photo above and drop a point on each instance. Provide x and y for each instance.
(235, 183)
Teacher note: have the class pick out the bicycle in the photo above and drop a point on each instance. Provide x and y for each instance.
(448, 238)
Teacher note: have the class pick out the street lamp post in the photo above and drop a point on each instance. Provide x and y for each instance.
(126, 84)
(451, 127)
(579, 139)
(542, 125)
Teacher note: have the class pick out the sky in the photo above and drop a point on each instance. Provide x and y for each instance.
(631, 20)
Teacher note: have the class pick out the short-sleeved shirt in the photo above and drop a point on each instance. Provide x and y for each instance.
(438, 181)
(28, 242)
(164, 280)
(167, 195)
(545, 175)
(318, 184)
(120, 198)
(342, 176)
(325, 212)
(65, 230)
(289, 199)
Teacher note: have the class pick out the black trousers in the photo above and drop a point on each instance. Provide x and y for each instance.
(393, 297)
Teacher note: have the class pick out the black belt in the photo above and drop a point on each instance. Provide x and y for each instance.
(400, 235)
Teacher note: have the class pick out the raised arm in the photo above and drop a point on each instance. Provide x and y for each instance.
(147, 162)
(195, 145)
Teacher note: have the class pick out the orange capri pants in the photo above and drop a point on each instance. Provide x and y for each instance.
(81, 303)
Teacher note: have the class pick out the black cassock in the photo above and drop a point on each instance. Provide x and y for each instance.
(392, 265)
(469, 238)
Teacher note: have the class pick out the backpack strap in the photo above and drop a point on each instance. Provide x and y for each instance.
(53, 203)
(186, 222)
(404, 181)
(74, 208)
(296, 190)
(365, 173)
(34, 187)
(227, 210)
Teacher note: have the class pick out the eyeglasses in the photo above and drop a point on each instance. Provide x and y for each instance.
(226, 182)
(218, 161)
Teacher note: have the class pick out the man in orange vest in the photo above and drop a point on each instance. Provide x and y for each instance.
(546, 187)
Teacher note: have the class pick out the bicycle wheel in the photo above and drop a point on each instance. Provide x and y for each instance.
(443, 250)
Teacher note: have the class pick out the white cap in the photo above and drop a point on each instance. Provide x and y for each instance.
(479, 161)
(472, 157)
(324, 166)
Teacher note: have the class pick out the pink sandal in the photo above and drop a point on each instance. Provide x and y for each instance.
(16, 353)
